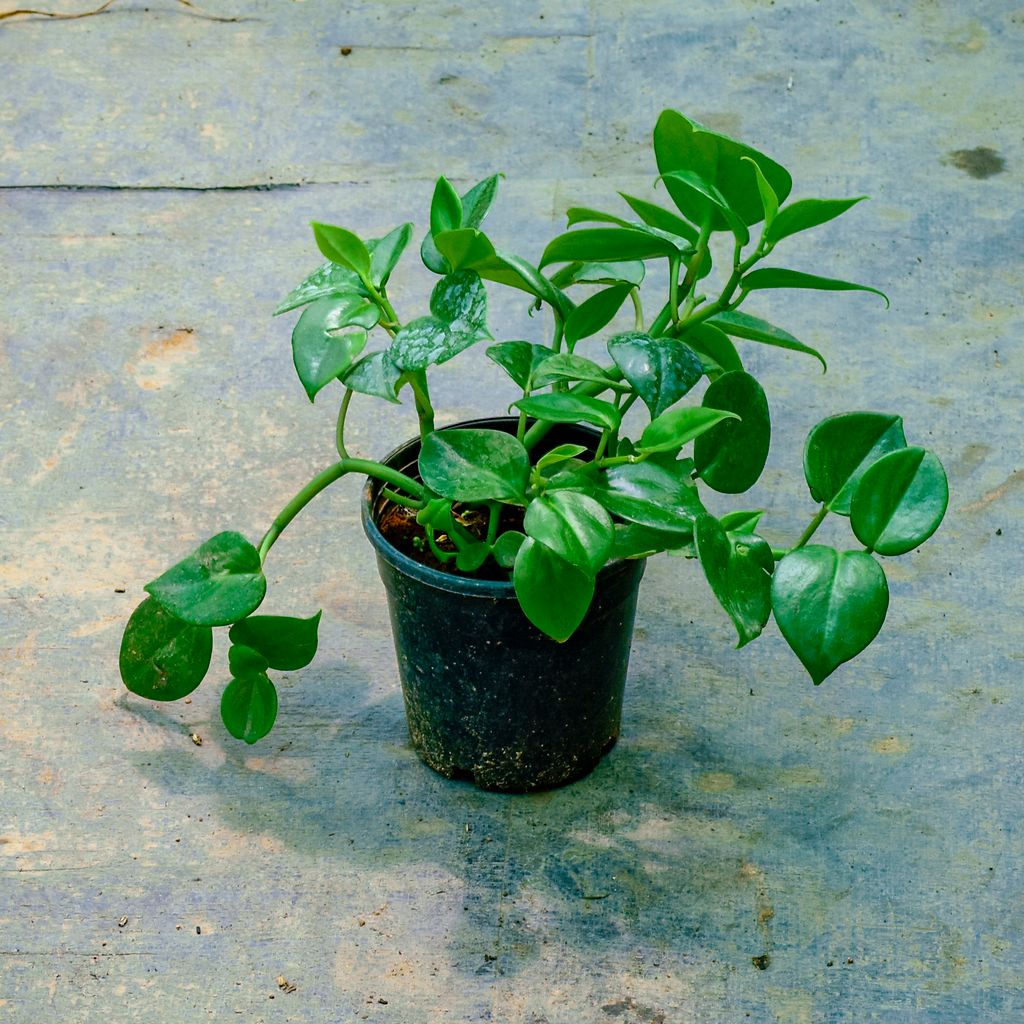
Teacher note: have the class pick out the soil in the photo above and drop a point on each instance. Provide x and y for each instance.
(399, 526)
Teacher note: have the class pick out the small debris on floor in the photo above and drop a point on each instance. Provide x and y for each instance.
(197, 739)
(285, 985)
(122, 922)
(761, 962)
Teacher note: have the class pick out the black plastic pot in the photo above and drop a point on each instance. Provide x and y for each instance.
(489, 697)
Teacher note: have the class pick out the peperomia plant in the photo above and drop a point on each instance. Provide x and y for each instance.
(548, 518)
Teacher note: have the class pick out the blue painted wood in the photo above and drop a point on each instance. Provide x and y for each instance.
(863, 836)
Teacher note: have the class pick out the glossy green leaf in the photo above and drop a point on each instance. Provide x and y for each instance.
(327, 279)
(658, 217)
(558, 455)
(287, 643)
(595, 313)
(585, 215)
(829, 605)
(713, 345)
(464, 247)
(506, 547)
(474, 204)
(248, 706)
(841, 448)
(777, 277)
(752, 328)
(635, 541)
(607, 245)
(518, 359)
(651, 494)
(769, 200)
(475, 465)
(243, 660)
(661, 370)
(553, 593)
(738, 571)
(374, 375)
(222, 581)
(386, 252)
(437, 514)
(731, 456)
(672, 429)
(899, 501)
(460, 300)
(477, 201)
(569, 366)
(574, 526)
(807, 213)
(445, 208)
(319, 351)
(682, 144)
(343, 247)
(741, 521)
(629, 272)
(724, 214)
(566, 408)
(470, 557)
(162, 657)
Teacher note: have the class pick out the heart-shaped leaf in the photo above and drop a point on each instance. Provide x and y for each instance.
(327, 279)
(652, 495)
(221, 582)
(553, 593)
(162, 657)
(635, 541)
(899, 501)
(243, 660)
(661, 370)
(460, 300)
(752, 328)
(343, 247)
(713, 345)
(594, 314)
(731, 455)
(565, 408)
(840, 449)
(574, 526)
(506, 547)
(807, 213)
(248, 706)
(519, 359)
(475, 465)
(672, 429)
(739, 572)
(322, 354)
(829, 605)
(287, 643)
(375, 375)
(777, 277)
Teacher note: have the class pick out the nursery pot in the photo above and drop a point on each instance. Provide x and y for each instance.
(488, 697)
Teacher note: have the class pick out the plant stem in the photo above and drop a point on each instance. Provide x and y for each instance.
(441, 556)
(661, 321)
(673, 288)
(400, 499)
(325, 479)
(813, 525)
(339, 434)
(493, 522)
(424, 410)
(638, 309)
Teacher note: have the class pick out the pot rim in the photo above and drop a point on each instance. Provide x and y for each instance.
(467, 586)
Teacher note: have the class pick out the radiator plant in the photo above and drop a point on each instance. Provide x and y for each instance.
(638, 490)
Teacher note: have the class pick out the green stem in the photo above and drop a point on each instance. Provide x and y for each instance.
(661, 321)
(493, 522)
(339, 434)
(673, 288)
(325, 479)
(399, 499)
(441, 556)
(424, 410)
(813, 525)
(638, 309)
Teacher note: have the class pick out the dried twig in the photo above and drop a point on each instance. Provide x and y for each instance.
(29, 12)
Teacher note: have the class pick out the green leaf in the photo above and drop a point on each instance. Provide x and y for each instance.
(553, 593)
(243, 660)
(607, 245)
(287, 643)
(221, 582)
(899, 501)
(807, 213)
(682, 144)
(319, 352)
(445, 208)
(374, 375)
(514, 272)
(723, 212)
(585, 215)
(731, 456)
(672, 429)
(574, 526)
(558, 455)
(841, 448)
(738, 571)
(569, 366)
(658, 217)
(565, 408)
(518, 359)
(829, 605)
(162, 657)
(460, 300)
(470, 557)
(327, 279)
(777, 277)
(651, 494)
(661, 370)
(437, 514)
(635, 541)
(742, 325)
(386, 252)
(248, 706)
(769, 200)
(477, 201)
(595, 313)
(464, 247)
(629, 272)
(475, 465)
(342, 247)
(741, 521)
(714, 345)
(506, 547)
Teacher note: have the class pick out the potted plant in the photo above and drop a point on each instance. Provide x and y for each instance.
(512, 548)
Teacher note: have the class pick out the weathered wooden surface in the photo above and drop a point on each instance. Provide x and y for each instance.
(864, 835)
